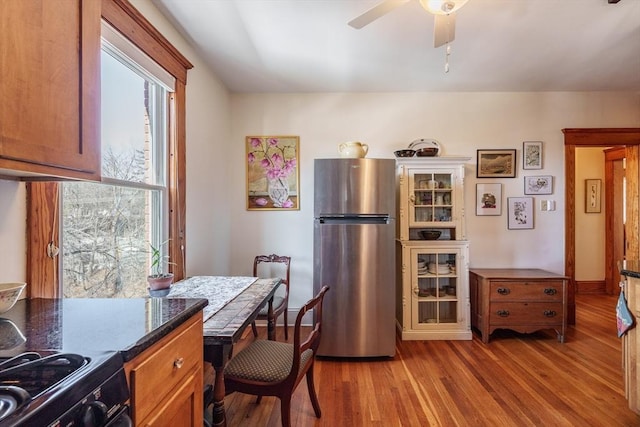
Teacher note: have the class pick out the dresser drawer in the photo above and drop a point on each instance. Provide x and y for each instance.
(526, 291)
(526, 313)
(159, 371)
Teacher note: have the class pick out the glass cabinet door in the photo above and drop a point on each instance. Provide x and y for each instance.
(436, 298)
(431, 198)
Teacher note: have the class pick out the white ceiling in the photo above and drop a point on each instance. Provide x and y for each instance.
(500, 45)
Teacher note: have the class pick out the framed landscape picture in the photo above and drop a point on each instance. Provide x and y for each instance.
(496, 164)
(488, 199)
(532, 155)
(272, 172)
(520, 214)
(538, 184)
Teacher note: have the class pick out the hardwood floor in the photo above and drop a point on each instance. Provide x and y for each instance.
(515, 380)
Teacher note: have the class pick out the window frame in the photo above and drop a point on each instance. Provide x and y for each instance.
(43, 197)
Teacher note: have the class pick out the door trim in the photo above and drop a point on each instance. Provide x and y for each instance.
(597, 137)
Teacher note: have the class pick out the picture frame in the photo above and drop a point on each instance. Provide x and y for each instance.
(540, 184)
(488, 199)
(273, 176)
(532, 155)
(496, 164)
(520, 213)
(592, 194)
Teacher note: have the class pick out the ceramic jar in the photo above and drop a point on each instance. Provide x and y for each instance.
(353, 150)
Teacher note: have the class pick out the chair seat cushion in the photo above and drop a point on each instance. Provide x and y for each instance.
(265, 361)
(277, 300)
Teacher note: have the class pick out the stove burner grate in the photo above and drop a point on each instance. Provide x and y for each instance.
(35, 374)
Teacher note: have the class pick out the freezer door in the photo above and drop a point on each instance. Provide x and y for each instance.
(357, 261)
(354, 186)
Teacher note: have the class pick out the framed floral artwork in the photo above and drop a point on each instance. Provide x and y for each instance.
(496, 164)
(592, 195)
(538, 184)
(488, 199)
(272, 172)
(520, 213)
(532, 155)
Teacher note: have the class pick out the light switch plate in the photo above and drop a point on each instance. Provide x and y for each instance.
(547, 205)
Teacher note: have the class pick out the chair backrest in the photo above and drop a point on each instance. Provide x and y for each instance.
(312, 339)
(273, 258)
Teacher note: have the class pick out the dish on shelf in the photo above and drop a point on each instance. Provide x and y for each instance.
(439, 269)
(430, 234)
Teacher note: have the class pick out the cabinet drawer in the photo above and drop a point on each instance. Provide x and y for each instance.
(167, 365)
(526, 291)
(526, 313)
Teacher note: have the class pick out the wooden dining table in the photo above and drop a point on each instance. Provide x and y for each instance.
(234, 303)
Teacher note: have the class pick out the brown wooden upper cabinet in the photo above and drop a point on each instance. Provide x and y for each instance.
(50, 86)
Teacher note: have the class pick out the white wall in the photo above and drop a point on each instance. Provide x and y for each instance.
(13, 259)
(462, 122)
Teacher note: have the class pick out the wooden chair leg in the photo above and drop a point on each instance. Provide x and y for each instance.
(312, 393)
(286, 326)
(254, 329)
(285, 410)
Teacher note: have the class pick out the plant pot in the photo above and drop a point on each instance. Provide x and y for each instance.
(157, 282)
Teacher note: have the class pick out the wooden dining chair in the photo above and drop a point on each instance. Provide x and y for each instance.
(272, 368)
(281, 299)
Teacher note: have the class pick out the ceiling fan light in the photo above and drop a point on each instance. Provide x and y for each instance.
(442, 7)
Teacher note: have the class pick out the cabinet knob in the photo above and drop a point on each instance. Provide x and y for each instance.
(178, 362)
(504, 291)
(550, 313)
(550, 291)
(503, 313)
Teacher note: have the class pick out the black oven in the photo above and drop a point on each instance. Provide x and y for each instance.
(63, 389)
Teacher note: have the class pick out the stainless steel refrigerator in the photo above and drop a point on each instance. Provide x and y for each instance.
(354, 254)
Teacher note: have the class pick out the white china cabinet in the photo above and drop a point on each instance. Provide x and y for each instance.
(432, 253)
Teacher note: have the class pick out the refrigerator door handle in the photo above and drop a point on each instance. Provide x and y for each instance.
(354, 220)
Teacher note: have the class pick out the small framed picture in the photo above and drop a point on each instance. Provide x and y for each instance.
(592, 195)
(532, 155)
(520, 213)
(538, 184)
(488, 199)
(496, 164)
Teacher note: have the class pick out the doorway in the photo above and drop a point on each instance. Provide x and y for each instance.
(599, 137)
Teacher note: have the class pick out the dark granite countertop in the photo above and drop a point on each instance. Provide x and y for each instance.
(629, 268)
(87, 326)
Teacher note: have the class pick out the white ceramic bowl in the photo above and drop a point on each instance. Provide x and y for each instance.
(9, 293)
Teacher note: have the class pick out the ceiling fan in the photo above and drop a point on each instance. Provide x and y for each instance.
(443, 11)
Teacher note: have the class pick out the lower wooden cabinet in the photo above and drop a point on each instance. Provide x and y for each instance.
(523, 300)
(166, 380)
(631, 346)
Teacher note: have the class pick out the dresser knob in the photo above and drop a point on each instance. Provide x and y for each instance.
(550, 313)
(178, 363)
(550, 291)
(503, 313)
(503, 291)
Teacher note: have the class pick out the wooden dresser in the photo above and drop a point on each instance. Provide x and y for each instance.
(523, 300)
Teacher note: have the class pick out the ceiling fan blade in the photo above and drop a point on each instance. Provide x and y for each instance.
(376, 12)
(444, 29)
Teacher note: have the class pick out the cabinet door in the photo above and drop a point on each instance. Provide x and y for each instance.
(50, 80)
(432, 199)
(438, 291)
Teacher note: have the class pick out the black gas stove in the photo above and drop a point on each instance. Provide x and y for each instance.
(63, 389)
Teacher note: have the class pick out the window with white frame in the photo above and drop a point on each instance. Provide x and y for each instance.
(108, 227)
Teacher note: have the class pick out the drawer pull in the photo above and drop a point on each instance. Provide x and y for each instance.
(503, 313)
(550, 313)
(178, 363)
(550, 291)
(504, 291)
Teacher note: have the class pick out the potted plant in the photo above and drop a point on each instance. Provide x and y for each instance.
(159, 279)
